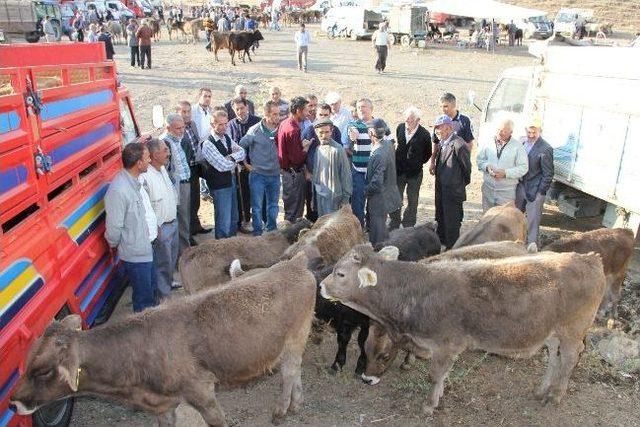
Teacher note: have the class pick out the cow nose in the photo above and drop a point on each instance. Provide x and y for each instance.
(370, 380)
(13, 407)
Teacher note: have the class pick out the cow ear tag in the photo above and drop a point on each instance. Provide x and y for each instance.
(367, 277)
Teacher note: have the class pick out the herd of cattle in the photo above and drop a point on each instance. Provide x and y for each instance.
(489, 292)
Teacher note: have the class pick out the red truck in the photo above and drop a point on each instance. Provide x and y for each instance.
(63, 121)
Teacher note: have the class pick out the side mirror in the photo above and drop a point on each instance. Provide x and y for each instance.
(471, 97)
(157, 116)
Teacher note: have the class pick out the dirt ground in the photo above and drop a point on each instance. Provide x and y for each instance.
(483, 389)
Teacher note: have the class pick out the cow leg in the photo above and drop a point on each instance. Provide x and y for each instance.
(215, 53)
(233, 54)
(441, 363)
(168, 419)
(612, 294)
(570, 348)
(248, 54)
(343, 334)
(201, 395)
(361, 365)
(408, 362)
(552, 344)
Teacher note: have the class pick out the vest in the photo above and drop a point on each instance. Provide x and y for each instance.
(221, 179)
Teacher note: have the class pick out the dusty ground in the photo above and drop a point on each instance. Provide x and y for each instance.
(483, 389)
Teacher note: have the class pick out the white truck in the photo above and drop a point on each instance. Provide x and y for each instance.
(568, 20)
(587, 99)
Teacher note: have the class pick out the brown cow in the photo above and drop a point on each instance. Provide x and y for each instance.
(175, 25)
(208, 264)
(499, 223)
(219, 40)
(380, 349)
(332, 235)
(510, 307)
(615, 246)
(178, 352)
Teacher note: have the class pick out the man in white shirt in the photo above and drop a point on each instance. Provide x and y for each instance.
(302, 39)
(201, 113)
(340, 116)
(162, 195)
(381, 44)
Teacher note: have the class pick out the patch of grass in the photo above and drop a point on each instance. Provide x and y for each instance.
(414, 381)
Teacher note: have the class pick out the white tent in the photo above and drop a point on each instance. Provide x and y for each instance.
(489, 9)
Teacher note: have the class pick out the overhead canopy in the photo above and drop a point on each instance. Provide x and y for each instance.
(479, 9)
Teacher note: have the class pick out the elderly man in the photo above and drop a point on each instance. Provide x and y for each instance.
(191, 146)
(180, 173)
(201, 113)
(331, 171)
(461, 126)
(292, 154)
(238, 128)
(128, 225)
(276, 96)
(503, 161)
(412, 152)
(145, 34)
(533, 186)
(162, 196)
(357, 142)
(264, 168)
(453, 174)
(381, 186)
(240, 92)
(340, 116)
(223, 154)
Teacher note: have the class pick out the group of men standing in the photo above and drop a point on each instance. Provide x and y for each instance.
(322, 156)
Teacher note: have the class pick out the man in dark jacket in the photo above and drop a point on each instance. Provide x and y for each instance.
(453, 174)
(412, 152)
(532, 188)
(105, 37)
(381, 187)
(238, 127)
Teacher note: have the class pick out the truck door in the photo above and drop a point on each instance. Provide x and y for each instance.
(509, 98)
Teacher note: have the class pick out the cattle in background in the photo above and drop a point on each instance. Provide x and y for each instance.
(499, 223)
(117, 31)
(456, 305)
(155, 28)
(615, 246)
(414, 243)
(175, 25)
(219, 40)
(242, 42)
(181, 350)
(192, 28)
(208, 264)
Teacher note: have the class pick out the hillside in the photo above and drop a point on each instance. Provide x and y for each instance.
(623, 14)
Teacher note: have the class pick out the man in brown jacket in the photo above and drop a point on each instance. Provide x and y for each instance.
(144, 34)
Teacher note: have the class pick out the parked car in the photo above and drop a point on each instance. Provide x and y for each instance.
(355, 22)
(20, 17)
(568, 20)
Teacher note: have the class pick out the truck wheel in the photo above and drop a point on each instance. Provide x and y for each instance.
(32, 37)
(353, 35)
(405, 41)
(392, 39)
(55, 414)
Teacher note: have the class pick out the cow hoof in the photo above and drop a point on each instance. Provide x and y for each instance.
(427, 410)
(336, 368)
(278, 417)
(550, 398)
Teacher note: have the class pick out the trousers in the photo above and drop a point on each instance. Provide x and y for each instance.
(145, 52)
(135, 56)
(265, 192)
(533, 211)
(294, 187)
(165, 256)
(302, 57)
(412, 184)
(381, 63)
(142, 277)
(449, 216)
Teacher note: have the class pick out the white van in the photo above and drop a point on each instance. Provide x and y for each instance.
(590, 116)
(357, 22)
(567, 20)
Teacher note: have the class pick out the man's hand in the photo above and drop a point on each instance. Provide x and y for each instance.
(307, 175)
(306, 143)
(159, 232)
(353, 133)
(499, 174)
(432, 167)
(248, 166)
(235, 148)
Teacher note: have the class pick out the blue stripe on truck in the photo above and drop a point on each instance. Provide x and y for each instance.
(55, 109)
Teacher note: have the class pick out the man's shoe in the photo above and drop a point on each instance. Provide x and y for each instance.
(202, 230)
(176, 285)
(192, 242)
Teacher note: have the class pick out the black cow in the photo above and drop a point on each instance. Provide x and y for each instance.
(414, 243)
(242, 42)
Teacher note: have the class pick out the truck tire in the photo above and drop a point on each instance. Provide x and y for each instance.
(405, 40)
(55, 414)
(392, 39)
(33, 37)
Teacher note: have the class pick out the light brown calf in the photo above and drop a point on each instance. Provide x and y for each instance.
(499, 223)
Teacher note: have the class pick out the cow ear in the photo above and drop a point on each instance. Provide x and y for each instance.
(389, 253)
(73, 322)
(70, 376)
(367, 277)
(302, 232)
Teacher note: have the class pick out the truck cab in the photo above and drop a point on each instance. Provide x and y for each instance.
(24, 18)
(567, 21)
(590, 117)
(62, 128)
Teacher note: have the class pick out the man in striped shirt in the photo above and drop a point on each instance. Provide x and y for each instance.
(358, 146)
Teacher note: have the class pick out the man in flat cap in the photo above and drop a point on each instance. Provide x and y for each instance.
(453, 174)
(381, 184)
(331, 171)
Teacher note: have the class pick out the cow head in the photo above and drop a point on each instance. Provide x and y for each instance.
(354, 274)
(257, 35)
(53, 367)
(294, 230)
(380, 351)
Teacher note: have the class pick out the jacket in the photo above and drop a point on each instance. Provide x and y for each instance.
(382, 186)
(144, 35)
(513, 160)
(413, 154)
(201, 120)
(540, 174)
(261, 150)
(453, 169)
(125, 225)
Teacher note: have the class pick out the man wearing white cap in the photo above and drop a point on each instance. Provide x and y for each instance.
(503, 161)
(453, 174)
(340, 116)
(532, 188)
